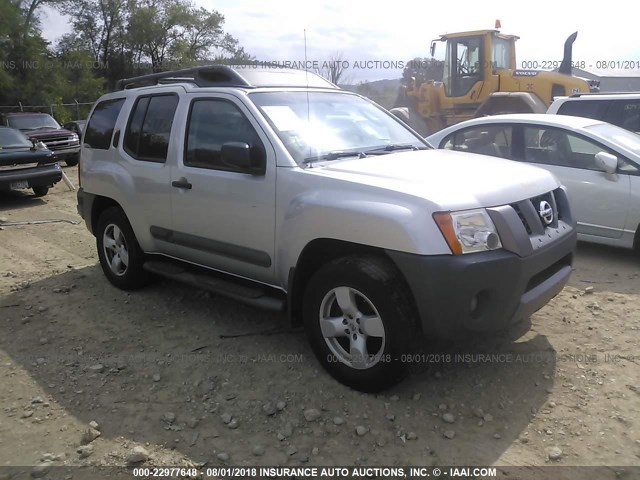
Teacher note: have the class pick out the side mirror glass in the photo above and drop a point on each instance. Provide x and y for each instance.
(606, 162)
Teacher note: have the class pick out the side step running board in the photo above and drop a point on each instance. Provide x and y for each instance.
(249, 295)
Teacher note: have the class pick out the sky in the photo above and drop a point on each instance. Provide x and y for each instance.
(364, 32)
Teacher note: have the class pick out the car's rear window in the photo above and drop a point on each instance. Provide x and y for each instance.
(10, 138)
(584, 108)
(622, 112)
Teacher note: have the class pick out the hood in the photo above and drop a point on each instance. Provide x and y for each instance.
(17, 156)
(47, 132)
(449, 180)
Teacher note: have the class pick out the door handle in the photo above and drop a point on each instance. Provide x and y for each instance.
(181, 183)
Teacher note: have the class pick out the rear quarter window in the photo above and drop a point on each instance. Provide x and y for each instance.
(625, 114)
(101, 124)
(584, 108)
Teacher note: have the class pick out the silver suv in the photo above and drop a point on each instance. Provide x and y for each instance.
(278, 189)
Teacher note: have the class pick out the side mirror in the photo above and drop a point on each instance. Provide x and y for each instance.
(432, 50)
(238, 155)
(606, 162)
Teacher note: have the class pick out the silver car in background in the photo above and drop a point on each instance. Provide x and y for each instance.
(599, 163)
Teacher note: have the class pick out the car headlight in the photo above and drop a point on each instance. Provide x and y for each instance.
(74, 137)
(468, 231)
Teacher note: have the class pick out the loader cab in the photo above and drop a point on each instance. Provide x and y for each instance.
(473, 57)
(462, 65)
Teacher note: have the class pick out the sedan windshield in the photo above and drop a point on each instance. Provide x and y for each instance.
(328, 126)
(32, 122)
(618, 135)
(10, 138)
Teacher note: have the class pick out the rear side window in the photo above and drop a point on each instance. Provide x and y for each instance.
(493, 140)
(584, 108)
(149, 129)
(101, 125)
(625, 114)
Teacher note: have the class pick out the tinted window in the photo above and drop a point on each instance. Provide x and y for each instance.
(147, 136)
(494, 140)
(584, 108)
(213, 123)
(132, 136)
(625, 114)
(101, 124)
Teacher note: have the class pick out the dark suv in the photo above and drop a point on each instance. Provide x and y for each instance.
(42, 127)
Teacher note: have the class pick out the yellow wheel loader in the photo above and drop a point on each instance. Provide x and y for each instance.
(480, 78)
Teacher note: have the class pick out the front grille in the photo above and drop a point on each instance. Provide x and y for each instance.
(523, 229)
(532, 212)
(58, 143)
(522, 219)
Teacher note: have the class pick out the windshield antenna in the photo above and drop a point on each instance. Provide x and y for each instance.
(306, 74)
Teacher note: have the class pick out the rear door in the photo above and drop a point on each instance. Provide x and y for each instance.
(144, 147)
(223, 216)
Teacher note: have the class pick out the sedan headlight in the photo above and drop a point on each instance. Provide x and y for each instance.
(468, 231)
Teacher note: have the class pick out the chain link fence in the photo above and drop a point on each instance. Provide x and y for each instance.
(62, 112)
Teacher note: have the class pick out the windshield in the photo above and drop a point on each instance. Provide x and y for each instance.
(618, 135)
(316, 124)
(32, 122)
(10, 138)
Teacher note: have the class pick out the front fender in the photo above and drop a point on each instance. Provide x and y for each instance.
(351, 216)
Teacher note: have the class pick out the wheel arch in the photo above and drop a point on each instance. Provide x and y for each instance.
(100, 204)
(314, 255)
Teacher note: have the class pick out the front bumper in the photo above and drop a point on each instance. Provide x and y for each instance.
(85, 206)
(459, 295)
(64, 153)
(40, 176)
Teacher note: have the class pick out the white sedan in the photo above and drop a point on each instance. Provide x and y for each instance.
(599, 164)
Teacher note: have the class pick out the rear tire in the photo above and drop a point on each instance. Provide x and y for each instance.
(121, 258)
(40, 191)
(360, 321)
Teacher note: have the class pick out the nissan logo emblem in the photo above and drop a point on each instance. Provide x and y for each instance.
(546, 212)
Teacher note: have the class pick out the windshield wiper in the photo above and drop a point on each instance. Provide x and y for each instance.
(393, 147)
(334, 156)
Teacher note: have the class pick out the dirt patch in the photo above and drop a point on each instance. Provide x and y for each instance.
(190, 379)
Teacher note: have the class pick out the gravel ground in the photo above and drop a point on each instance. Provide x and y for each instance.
(170, 375)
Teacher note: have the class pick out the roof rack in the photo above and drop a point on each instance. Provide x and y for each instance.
(204, 76)
(227, 76)
(576, 95)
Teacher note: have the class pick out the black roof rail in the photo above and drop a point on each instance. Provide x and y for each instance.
(227, 76)
(203, 76)
(576, 95)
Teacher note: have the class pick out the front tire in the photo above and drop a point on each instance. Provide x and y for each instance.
(120, 255)
(360, 321)
(72, 161)
(40, 191)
